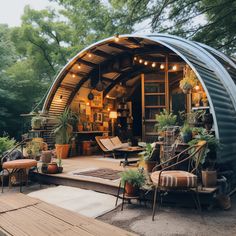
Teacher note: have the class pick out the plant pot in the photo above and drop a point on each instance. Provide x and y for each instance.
(46, 156)
(60, 169)
(52, 168)
(80, 127)
(186, 137)
(209, 178)
(131, 190)
(62, 150)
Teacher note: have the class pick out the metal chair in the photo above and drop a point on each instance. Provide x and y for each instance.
(170, 178)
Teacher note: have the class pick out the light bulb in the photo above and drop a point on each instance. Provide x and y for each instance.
(174, 67)
(162, 66)
(73, 75)
(197, 87)
(79, 66)
(145, 63)
(140, 61)
(153, 64)
(89, 54)
(135, 58)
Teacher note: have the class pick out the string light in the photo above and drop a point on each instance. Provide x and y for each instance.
(87, 103)
(79, 66)
(89, 54)
(153, 64)
(174, 67)
(162, 66)
(140, 61)
(108, 109)
(73, 75)
(135, 58)
(145, 63)
(197, 87)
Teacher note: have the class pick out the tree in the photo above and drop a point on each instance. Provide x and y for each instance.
(207, 21)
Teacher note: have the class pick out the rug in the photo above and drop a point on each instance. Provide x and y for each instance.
(85, 202)
(103, 173)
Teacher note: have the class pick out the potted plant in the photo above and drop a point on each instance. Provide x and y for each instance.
(164, 119)
(37, 122)
(189, 80)
(208, 161)
(132, 180)
(63, 133)
(204, 100)
(149, 157)
(186, 133)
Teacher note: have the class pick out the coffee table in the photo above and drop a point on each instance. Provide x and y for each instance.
(126, 152)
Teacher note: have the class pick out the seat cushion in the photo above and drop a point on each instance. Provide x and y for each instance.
(174, 178)
(19, 164)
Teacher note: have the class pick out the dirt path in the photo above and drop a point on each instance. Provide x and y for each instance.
(174, 221)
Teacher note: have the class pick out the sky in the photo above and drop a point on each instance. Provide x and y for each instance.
(12, 10)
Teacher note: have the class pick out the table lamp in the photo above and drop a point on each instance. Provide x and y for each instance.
(113, 116)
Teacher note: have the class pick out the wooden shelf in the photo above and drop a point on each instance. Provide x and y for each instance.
(150, 120)
(161, 106)
(200, 108)
(150, 94)
(151, 133)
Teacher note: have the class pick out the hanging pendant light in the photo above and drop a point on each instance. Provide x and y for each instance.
(99, 86)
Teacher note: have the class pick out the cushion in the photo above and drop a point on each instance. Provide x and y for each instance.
(19, 164)
(106, 142)
(174, 178)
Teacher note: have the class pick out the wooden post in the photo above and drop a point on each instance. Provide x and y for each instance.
(143, 107)
(167, 95)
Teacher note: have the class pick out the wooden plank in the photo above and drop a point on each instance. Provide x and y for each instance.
(9, 202)
(92, 226)
(29, 216)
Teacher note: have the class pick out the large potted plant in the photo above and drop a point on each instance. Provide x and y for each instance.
(132, 181)
(209, 158)
(63, 133)
(189, 80)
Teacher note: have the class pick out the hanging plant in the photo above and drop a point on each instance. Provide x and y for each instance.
(189, 80)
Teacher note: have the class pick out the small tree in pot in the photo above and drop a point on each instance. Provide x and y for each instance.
(63, 133)
(132, 180)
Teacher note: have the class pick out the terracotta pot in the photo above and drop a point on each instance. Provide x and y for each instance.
(62, 150)
(131, 190)
(80, 127)
(209, 178)
(52, 168)
(46, 156)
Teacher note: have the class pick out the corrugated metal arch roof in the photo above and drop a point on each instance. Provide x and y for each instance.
(204, 60)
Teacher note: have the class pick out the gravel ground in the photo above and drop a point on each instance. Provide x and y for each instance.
(174, 221)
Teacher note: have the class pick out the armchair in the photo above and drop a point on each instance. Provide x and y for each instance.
(166, 176)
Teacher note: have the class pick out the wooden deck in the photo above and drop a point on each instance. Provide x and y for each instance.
(22, 215)
(83, 163)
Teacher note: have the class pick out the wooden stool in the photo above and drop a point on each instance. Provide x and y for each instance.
(18, 166)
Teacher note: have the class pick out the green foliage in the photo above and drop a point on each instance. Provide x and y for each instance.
(6, 143)
(146, 154)
(63, 128)
(186, 129)
(189, 80)
(134, 177)
(33, 148)
(165, 119)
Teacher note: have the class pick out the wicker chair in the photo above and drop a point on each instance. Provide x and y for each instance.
(169, 178)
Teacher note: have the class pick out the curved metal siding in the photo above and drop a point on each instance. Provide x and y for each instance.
(222, 104)
(212, 73)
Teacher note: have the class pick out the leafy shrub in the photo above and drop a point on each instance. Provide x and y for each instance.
(6, 143)
(165, 119)
(134, 177)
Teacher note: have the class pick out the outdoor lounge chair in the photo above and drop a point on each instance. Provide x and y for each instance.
(110, 145)
(169, 178)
